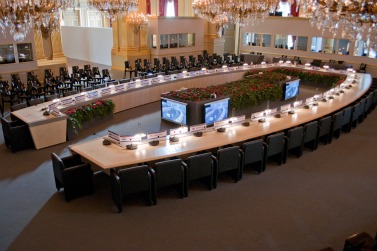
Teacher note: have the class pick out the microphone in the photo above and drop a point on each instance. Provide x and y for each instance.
(44, 109)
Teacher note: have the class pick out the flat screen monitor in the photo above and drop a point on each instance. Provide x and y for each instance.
(291, 89)
(174, 111)
(216, 111)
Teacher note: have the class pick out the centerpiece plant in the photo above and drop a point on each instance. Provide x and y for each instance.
(78, 116)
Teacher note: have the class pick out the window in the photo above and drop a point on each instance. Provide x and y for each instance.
(316, 45)
(7, 54)
(71, 17)
(174, 40)
(361, 49)
(254, 39)
(94, 18)
(280, 41)
(329, 45)
(302, 43)
(25, 52)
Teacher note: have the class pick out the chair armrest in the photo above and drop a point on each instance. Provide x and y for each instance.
(116, 190)
(72, 160)
(153, 185)
(77, 170)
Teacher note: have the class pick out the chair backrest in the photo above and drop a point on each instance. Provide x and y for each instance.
(18, 107)
(337, 120)
(134, 179)
(324, 126)
(57, 165)
(169, 172)
(124, 80)
(311, 131)
(275, 143)
(355, 112)
(347, 114)
(295, 136)
(253, 151)
(228, 158)
(69, 93)
(199, 166)
(6, 130)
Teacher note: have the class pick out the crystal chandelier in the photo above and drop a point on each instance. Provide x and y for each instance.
(353, 19)
(22, 16)
(114, 8)
(137, 20)
(240, 12)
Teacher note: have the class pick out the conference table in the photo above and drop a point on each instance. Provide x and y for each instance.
(114, 156)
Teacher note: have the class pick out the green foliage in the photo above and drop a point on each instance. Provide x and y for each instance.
(78, 116)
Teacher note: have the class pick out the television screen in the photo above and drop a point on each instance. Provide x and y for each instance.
(216, 111)
(173, 111)
(291, 89)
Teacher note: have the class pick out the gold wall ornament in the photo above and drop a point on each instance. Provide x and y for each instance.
(137, 21)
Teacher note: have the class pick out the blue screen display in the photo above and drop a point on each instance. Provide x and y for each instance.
(291, 89)
(216, 111)
(174, 111)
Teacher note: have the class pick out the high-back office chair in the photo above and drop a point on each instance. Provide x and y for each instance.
(171, 173)
(355, 115)
(72, 175)
(228, 160)
(336, 126)
(130, 180)
(294, 142)
(201, 167)
(254, 155)
(324, 130)
(275, 145)
(311, 135)
(346, 121)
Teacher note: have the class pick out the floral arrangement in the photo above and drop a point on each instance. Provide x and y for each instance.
(242, 93)
(325, 78)
(79, 115)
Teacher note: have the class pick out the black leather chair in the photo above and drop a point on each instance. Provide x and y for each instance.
(228, 160)
(294, 142)
(355, 115)
(275, 145)
(336, 125)
(311, 135)
(171, 173)
(16, 135)
(201, 167)
(72, 175)
(362, 110)
(129, 180)
(359, 241)
(368, 104)
(254, 155)
(324, 130)
(346, 121)
(18, 107)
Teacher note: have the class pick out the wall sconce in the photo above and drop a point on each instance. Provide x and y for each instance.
(137, 21)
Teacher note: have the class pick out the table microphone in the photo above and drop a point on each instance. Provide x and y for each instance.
(44, 109)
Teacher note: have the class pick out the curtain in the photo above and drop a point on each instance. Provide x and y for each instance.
(163, 5)
(148, 3)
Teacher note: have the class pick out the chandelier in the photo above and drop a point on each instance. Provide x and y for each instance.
(240, 12)
(22, 16)
(114, 8)
(137, 20)
(353, 19)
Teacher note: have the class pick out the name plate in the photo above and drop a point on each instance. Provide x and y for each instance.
(131, 85)
(196, 128)
(106, 91)
(55, 112)
(179, 130)
(80, 97)
(126, 140)
(256, 115)
(220, 70)
(53, 105)
(193, 73)
(180, 75)
(156, 80)
(202, 72)
(67, 101)
(167, 77)
(221, 123)
(309, 100)
(238, 119)
(114, 137)
(157, 135)
(285, 108)
(145, 82)
(92, 94)
(212, 70)
(232, 68)
(297, 103)
(119, 88)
